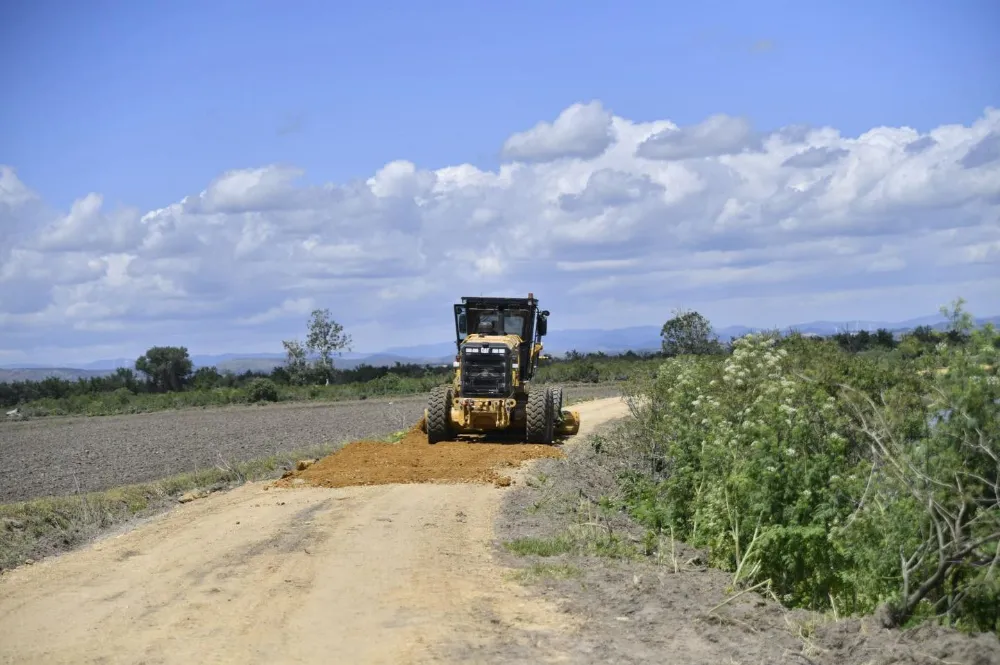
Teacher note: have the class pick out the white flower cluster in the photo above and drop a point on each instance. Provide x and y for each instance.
(753, 360)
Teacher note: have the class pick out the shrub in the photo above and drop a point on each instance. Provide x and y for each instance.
(843, 480)
(262, 390)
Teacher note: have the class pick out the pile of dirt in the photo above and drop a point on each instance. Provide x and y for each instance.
(413, 460)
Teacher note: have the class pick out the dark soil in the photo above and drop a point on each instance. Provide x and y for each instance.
(66, 455)
(638, 610)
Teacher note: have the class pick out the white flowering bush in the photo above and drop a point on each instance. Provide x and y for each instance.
(766, 458)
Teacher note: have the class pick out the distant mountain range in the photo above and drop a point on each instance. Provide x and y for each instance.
(558, 342)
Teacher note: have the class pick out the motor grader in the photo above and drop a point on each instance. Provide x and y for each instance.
(499, 347)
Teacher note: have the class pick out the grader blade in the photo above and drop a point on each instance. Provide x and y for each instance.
(570, 423)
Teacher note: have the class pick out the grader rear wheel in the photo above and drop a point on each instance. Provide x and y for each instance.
(557, 406)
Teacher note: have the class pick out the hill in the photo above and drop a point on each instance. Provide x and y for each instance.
(12, 374)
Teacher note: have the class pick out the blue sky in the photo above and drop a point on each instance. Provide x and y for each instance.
(148, 103)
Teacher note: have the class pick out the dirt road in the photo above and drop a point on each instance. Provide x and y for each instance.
(382, 574)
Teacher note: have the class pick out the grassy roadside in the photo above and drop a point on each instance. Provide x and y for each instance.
(563, 537)
(31, 530)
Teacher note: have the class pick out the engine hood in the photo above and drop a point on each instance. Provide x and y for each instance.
(511, 342)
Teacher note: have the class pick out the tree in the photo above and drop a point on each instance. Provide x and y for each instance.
(925, 335)
(326, 338)
(884, 339)
(688, 332)
(960, 323)
(166, 367)
(206, 378)
(296, 363)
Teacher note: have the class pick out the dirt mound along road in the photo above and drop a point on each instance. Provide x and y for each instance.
(413, 460)
(395, 574)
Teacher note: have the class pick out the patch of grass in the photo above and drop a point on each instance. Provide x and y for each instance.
(396, 437)
(539, 480)
(543, 571)
(575, 541)
(41, 527)
(540, 546)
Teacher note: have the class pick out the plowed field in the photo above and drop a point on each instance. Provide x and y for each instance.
(78, 454)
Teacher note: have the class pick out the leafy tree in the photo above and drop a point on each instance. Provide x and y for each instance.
(925, 334)
(688, 333)
(326, 337)
(296, 362)
(884, 338)
(960, 323)
(206, 378)
(122, 378)
(166, 367)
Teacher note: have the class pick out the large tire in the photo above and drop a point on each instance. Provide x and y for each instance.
(550, 418)
(439, 414)
(539, 428)
(557, 405)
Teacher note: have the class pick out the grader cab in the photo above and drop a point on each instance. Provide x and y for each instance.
(499, 347)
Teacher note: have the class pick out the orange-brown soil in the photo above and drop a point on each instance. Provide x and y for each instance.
(413, 460)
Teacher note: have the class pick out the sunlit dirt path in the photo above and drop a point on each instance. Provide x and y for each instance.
(381, 574)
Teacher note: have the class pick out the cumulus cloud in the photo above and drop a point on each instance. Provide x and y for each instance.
(641, 218)
(716, 136)
(582, 130)
(814, 158)
(919, 145)
(986, 151)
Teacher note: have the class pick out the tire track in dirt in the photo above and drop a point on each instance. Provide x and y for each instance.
(377, 574)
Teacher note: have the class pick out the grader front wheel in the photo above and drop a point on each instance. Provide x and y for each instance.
(540, 426)
(438, 414)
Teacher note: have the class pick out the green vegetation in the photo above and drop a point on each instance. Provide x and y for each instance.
(597, 367)
(844, 474)
(262, 390)
(76, 398)
(545, 571)
(164, 378)
(539, 546)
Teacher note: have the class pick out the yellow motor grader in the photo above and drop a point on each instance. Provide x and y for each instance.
(499, 346)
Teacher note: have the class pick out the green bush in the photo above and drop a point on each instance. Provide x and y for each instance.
(262, 390)
(832, 476)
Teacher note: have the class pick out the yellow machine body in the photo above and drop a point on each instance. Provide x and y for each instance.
(499, 349)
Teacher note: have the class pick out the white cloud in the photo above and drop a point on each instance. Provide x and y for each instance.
(582, 130)
(246, 190)
(292, 306)
(88, 227)
(716, 136)
(643, 217)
